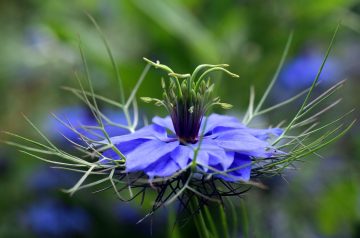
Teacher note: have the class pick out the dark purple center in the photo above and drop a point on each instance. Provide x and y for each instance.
(187, 122)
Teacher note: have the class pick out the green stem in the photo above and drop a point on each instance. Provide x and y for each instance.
(245, 220)
(173, 229)
(223, 221)
(234, 218)
(211, 222)
(199, 219)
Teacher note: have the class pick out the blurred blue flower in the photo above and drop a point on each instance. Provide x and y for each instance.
(45, 178)
(77, 117)
(227, 145)
(51, 218)
(301, 71)
(125, 212)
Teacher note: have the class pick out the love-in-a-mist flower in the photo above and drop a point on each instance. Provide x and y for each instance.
(215, 145)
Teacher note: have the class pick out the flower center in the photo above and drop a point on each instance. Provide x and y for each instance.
(187, 97)
(186, 117)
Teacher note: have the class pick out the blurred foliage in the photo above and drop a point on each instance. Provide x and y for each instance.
(39, 53)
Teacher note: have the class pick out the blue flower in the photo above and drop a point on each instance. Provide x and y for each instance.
(227, 146)
(126, 213)
(217, 146)
(51, 218)
(78, 117)
(300, 72)
(44, 179)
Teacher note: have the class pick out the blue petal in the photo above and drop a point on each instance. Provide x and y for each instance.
(202, 159)
(216, 121)
(265, 134)
(148, 153)
(170, 163)
(243, 164)
(151, 132)
(164, 167)
(164, 122)
(124, 148)
(181, 155)
(245, 143)
(217, 155)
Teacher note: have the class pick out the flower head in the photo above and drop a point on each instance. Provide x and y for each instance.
(216, 145)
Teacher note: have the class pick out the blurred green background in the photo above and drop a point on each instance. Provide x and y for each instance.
(39, 54)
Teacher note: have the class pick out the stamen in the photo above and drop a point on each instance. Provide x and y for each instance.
(188, 100)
